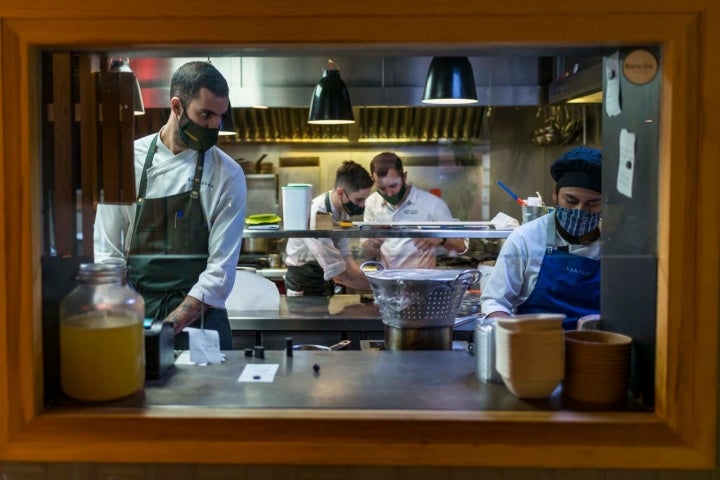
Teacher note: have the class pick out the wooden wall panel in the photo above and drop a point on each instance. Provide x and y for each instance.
(63, 206)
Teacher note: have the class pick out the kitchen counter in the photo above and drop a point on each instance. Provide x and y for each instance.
(422, 380)
(335, 313)
(438, 380)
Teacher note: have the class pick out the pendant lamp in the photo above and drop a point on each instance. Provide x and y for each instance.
(330, 104)
(123, 65)
(450, 81)
(227, 126)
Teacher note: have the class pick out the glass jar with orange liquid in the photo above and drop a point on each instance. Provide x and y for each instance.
(102, 351)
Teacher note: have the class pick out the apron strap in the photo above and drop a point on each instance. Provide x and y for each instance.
(550, 240)
(328, 206)
(148, 163)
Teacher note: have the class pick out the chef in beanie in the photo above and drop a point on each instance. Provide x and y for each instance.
(552, 264)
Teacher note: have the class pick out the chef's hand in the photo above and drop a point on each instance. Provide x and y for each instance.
(185, 314)
(371, 247)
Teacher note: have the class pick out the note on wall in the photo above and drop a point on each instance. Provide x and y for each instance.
(626, 164)
(612, 85)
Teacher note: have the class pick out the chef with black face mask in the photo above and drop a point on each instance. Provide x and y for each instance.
(397, 200)
(181, 239)
(315, 265)
(552, 264)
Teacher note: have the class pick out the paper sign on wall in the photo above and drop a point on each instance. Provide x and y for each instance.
(612, 85)
(626, 164)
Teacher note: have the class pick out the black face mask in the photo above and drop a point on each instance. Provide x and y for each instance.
(196, 137)
(394, 199)
(352, 208)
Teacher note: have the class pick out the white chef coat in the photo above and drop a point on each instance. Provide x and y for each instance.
(330, 253)
(518, 265)
(223, 194)
(419, 206)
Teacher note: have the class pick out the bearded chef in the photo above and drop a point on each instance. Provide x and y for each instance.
(552, 264)
(182, 237)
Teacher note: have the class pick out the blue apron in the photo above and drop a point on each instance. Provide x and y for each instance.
(169, 251)
(567, 283)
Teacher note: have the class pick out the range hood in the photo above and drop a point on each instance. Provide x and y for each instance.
(288, 81)
(584, 85)
(385, 92)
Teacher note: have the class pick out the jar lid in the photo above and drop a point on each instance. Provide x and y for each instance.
(102, 272)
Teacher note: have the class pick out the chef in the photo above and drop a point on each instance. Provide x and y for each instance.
(182, 237)
(397, 200)
(551, 264)
(315, 265)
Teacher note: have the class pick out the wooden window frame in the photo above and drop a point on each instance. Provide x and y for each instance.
(680, 433)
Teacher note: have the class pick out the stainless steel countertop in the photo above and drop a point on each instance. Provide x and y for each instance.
(438, 380)
(335, 313)
(418, 380)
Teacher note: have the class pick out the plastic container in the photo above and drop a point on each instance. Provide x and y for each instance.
(485, 351)
(296, 202)
(102, 352)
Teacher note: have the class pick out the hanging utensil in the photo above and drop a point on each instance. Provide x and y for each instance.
(519, 200)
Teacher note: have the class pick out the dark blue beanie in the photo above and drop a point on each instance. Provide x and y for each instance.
(580, 167)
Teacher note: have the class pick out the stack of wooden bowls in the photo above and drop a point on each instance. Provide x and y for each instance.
(597, 367)
(530, 353)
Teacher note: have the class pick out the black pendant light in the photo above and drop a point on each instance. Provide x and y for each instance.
(330, 104)
(123, 65)
(450, 81)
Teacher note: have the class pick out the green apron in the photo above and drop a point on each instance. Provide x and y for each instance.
(169, 251)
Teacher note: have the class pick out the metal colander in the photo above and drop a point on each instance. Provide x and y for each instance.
(419, 297)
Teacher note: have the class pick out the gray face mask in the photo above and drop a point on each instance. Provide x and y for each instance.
(576, 221)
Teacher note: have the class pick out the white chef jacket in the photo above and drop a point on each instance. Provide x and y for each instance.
(419, 206)
(518, 265)
(330, 253)
(223, 194)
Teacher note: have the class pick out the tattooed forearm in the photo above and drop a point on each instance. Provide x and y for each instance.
(185, 314)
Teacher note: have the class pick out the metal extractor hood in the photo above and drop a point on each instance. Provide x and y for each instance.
(288, 81)
(583, 86)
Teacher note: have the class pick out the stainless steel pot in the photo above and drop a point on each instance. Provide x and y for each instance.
(419, 307)
(427, 338)
(259, 245)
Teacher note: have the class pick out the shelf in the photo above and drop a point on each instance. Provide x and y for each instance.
(393, 232)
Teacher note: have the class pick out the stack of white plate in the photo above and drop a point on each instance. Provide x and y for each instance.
(530, 355)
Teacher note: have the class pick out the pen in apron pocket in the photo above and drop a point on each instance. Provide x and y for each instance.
(178, 216)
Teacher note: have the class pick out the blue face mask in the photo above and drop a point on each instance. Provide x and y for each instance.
(576, 221)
